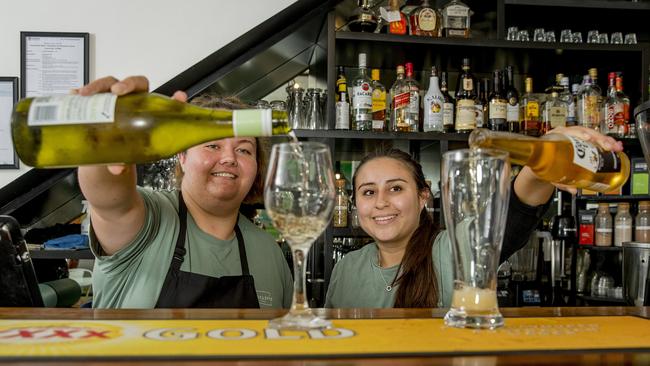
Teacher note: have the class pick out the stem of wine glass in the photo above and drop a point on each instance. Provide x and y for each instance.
(299, 302)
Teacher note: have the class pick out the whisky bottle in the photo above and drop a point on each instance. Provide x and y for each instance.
(589, 102)
(498, 109)
(424, 21)
(397, 23)
(554, 112)
(448, 107)
(456, 19)
(400, 96)
(513, 111)
(71, 130)
(413, 109)
(465, 100)
(378, 102)
(530, 110)
(560, 158)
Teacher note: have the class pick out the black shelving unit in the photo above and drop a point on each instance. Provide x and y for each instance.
(612, 198)
(596, 248)
(488, 51)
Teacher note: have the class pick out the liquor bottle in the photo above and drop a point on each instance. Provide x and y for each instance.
(478, 105)
(456, 19)
(513, 110)
(530, 110)
(567, 97)
(425, 21)
(497, 110)
(397, 23)
(361, 108)
(589, 102)
(433, 104)
(400, 96)
(341, 206)
(487, 90)
(378, 102)
(624, 127)
(465, 100)
(413, 110)
(559, 158)
(554, 112)
(613, 108)
(342, 104)
(448, 107)
(71, 130)
(364, 18)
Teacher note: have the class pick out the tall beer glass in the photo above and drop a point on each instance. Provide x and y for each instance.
(475, 193)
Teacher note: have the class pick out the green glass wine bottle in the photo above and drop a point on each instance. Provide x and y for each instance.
(66, 131)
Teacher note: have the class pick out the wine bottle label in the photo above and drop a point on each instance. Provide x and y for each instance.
(465, 114)
(589, 157)
(498, 109)
(342, 116)
(252, 122)
(448, 114)
(72, 109)
(512, 113)
(479, 115)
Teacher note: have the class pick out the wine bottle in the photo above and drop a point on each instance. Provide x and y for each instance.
(72, 130)
(560, 158)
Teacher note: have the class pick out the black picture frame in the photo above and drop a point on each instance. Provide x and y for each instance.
(5, 121)
(52, 44)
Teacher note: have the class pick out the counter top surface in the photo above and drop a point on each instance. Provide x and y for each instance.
(638, 354)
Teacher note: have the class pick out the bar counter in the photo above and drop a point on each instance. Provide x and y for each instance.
(633, 355)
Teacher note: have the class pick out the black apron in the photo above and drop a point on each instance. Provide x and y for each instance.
(192, 290)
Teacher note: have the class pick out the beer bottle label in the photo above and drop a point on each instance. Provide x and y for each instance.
(72, 109)
(591, 158)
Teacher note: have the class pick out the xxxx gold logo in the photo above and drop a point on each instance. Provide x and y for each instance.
(57, 334)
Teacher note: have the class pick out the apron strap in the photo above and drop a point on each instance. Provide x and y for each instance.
(242, 250)
(179, 250)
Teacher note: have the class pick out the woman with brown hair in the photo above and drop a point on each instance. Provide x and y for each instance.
(409, 264)
(187, 248)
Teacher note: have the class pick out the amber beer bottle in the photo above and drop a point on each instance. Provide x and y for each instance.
(560, 158)
(65, 131)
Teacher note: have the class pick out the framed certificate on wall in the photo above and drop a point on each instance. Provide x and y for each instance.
(52, 63)
(8, 98)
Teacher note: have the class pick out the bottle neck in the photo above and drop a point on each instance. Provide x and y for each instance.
(520, 147)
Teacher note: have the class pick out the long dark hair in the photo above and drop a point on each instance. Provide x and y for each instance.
(418, 286)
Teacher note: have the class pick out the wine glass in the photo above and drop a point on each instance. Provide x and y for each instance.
(299, 197)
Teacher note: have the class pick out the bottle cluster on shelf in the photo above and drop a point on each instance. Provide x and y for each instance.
(601, 228)
(493, 103)
(451, 20)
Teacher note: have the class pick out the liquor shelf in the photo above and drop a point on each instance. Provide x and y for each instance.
(613, 198)
(596, 248)
(351, 134)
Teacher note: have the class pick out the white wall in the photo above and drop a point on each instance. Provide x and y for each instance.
(156, 38)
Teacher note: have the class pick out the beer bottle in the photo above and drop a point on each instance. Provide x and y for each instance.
(560, 158)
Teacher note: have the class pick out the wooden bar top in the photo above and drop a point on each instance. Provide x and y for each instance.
(579, 357)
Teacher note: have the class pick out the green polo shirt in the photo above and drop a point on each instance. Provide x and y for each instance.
(359, 282)
(133, 277)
